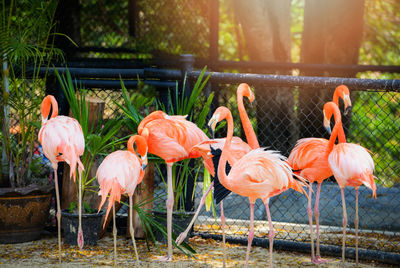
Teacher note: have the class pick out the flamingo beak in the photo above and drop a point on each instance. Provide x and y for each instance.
(144, 166)
(327, 124)
(44, 120)
(144, 161)
(213, 122)
(347, 104)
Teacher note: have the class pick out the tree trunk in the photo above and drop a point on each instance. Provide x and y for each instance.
(332, 34)
(133, 11)
(266, 28)
(144, 193)
(96, 110)
(68, 21)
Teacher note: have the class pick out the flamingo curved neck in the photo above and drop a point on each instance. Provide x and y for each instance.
(49, 104)
(247, 126)
(141, 145)
(337, 130)
(223, 178)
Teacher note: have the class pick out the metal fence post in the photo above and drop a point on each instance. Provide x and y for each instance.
(187, 62)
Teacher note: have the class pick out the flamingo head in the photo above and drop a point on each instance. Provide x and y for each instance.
(330, 108)
(343, 92)
(327, 123)
(245, 90)
(141, 147)
(220, 114)
(48, 108)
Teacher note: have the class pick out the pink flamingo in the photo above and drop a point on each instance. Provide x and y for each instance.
(258, 174)
(172, 139)
(120, 173)
(309, 159)
(237, 149)
(62, 140)
(351, 164)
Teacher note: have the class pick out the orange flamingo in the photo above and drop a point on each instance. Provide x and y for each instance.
(172, 139)
(309, 159)
(237, 149)
(62, 140)
(120, 173)
(351, 164)
(259, 174)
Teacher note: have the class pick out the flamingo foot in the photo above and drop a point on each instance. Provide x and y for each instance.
(166, 258)
(181, 238)
(80, 239)
(318, 260)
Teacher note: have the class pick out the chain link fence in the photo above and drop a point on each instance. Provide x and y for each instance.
(147, 26)
(279, 120)
(373, 124)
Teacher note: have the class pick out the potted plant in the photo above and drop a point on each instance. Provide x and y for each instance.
(25, 48)
(100, 140)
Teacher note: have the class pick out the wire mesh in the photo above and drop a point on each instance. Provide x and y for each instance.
(163, 26)
(279, 121)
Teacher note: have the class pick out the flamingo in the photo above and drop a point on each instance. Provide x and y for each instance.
(120, 173)
(259, 174)
(62, 139)
(237, 149)
(309, 159)
(172, 139)
(351, 164)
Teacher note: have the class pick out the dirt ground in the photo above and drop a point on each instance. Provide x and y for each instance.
(44, 253)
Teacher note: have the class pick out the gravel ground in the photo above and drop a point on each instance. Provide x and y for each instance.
(44, 253)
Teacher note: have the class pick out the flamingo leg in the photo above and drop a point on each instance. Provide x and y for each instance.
(80, 232)
(131, 230)
(115, 236)
(223, 234)
(183, 235)
(356, 226)
(251, 233)
(344, 225)
(271, 233)
(58, 215)
(309, 212)
(318, 258)
(169, 203)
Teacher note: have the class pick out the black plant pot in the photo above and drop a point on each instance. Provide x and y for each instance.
(90, 227)
(180, 221)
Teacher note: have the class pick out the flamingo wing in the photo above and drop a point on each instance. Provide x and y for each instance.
(352, 165)
(119, 173)
(62, 140)
(173, 140)
(309, 158)
(262, 174)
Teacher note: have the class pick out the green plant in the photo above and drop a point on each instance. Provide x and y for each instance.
(100, 140)
(26, 48)
(135, 109)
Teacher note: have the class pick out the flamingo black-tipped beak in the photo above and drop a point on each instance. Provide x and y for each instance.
(328, 128)
(213, 122)
(347, 110)
(144, 166)
(327, 124)
(347, 104)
